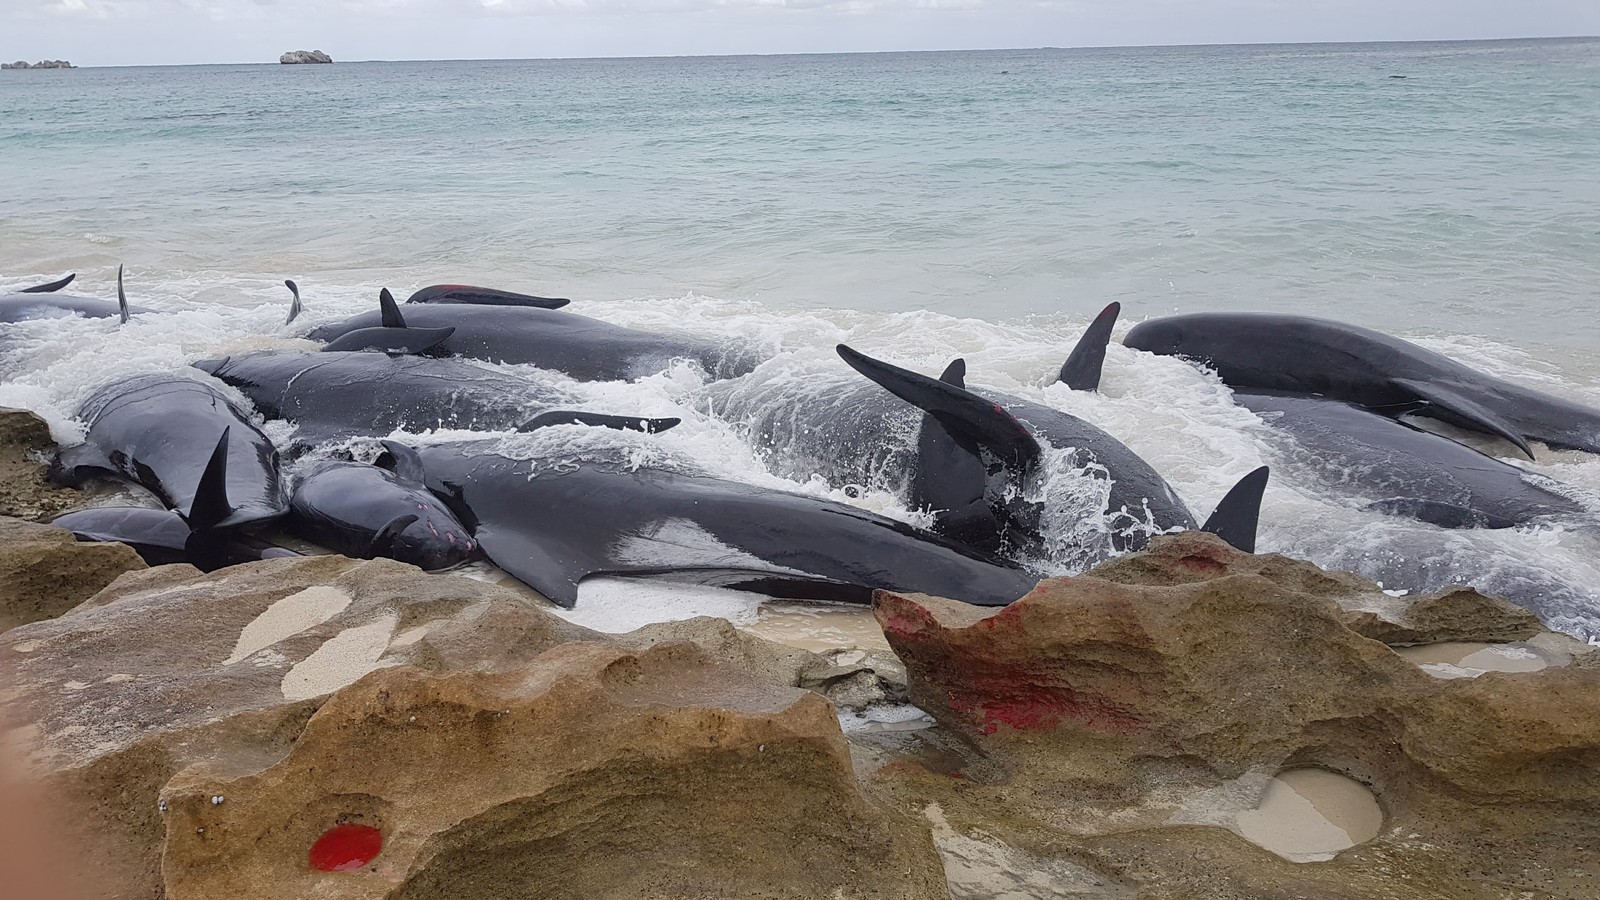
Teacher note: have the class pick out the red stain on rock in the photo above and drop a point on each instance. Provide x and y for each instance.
(1202, 564)
(346, 847)
(1033, 700)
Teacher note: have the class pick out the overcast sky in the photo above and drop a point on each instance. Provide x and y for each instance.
(144, 32)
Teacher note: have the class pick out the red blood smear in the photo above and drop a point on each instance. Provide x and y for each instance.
(345, 847)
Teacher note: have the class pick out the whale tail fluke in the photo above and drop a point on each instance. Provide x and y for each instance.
(122, 297)
(294, 307)
(50, 288)
(400, 341)
(621, 423)
(964, 414)
(1081, 371)
(1236, 518)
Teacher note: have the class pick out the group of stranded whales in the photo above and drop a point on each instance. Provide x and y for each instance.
(553, 505)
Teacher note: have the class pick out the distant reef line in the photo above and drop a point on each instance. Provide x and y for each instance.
(41, 64)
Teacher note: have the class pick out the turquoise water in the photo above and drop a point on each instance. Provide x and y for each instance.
(919, 206)
(1464, 197)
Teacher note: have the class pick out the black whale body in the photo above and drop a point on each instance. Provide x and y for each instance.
(159, 431)
(1406, 471)
(579, 503)
(1304, 355)
(585, 349)
(343, 394)
(363, 511)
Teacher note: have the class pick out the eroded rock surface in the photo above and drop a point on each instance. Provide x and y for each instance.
(44, 571)
(1118, 718)
(25, 450)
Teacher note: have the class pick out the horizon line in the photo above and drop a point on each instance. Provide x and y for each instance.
(1551, 37)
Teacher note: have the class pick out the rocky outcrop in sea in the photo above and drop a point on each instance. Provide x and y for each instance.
(295, 57)
(42, 64)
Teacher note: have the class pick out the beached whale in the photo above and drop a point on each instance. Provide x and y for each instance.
(482, 296)
(344, 394)
(162, 536)
(570, 503)
(43, 301)
(1406, 471)
(159, 431)
(1303, 355)
(363, 511)
(585, 349)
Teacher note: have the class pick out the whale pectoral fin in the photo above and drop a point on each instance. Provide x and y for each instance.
(554, 575)
(390, 310)
(1081, 371)
(403, 461)
(50, 288)
(122, 297)
(479, 296)
(964, 414)
(1468, 410)
(621, 423)
(294, 307)
(951, 479)
(400, 341)
(74, 465)
(1235, 519)
(382, 543)
(211, 507)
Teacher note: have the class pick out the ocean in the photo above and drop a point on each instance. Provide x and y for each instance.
(919, 206)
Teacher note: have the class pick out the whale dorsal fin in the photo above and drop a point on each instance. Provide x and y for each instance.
(481, 296)
(403, 461)
(294, 307)
(210, 507)
(390, 310)
(621, 423)
(50, 288)
(1235, 519)
(955, 373)
(122, 296)
(1467, 409)
(964, 414)
(399, 341)
(382, 543)
(1081, 371)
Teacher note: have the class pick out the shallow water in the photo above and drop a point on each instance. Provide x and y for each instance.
(916, 206)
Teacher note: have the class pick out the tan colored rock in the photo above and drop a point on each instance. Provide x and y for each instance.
(1116, 722)
(169, 667)
(592, 772)
(25, 451)
(44, 571)
(1453, 614)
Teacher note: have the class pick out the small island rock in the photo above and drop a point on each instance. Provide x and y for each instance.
(42, 64)
(304, 56)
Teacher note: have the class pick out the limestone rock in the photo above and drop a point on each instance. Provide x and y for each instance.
(25, 450)
(304, 56)
(592, 772)
(1115, 721)
(167, 667)
(44, 571)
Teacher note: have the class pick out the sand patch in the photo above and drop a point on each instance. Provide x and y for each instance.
(288, 617)
(341, 660)
(818, 628)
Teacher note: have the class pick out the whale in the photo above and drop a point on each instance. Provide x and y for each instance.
(584, 349)
(162, 536)
(482, 296)
(159, 432)
(1305, 355)
(364, 511)
(571, 503)
(1405, 471)
(333, 395)
(43, 301)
